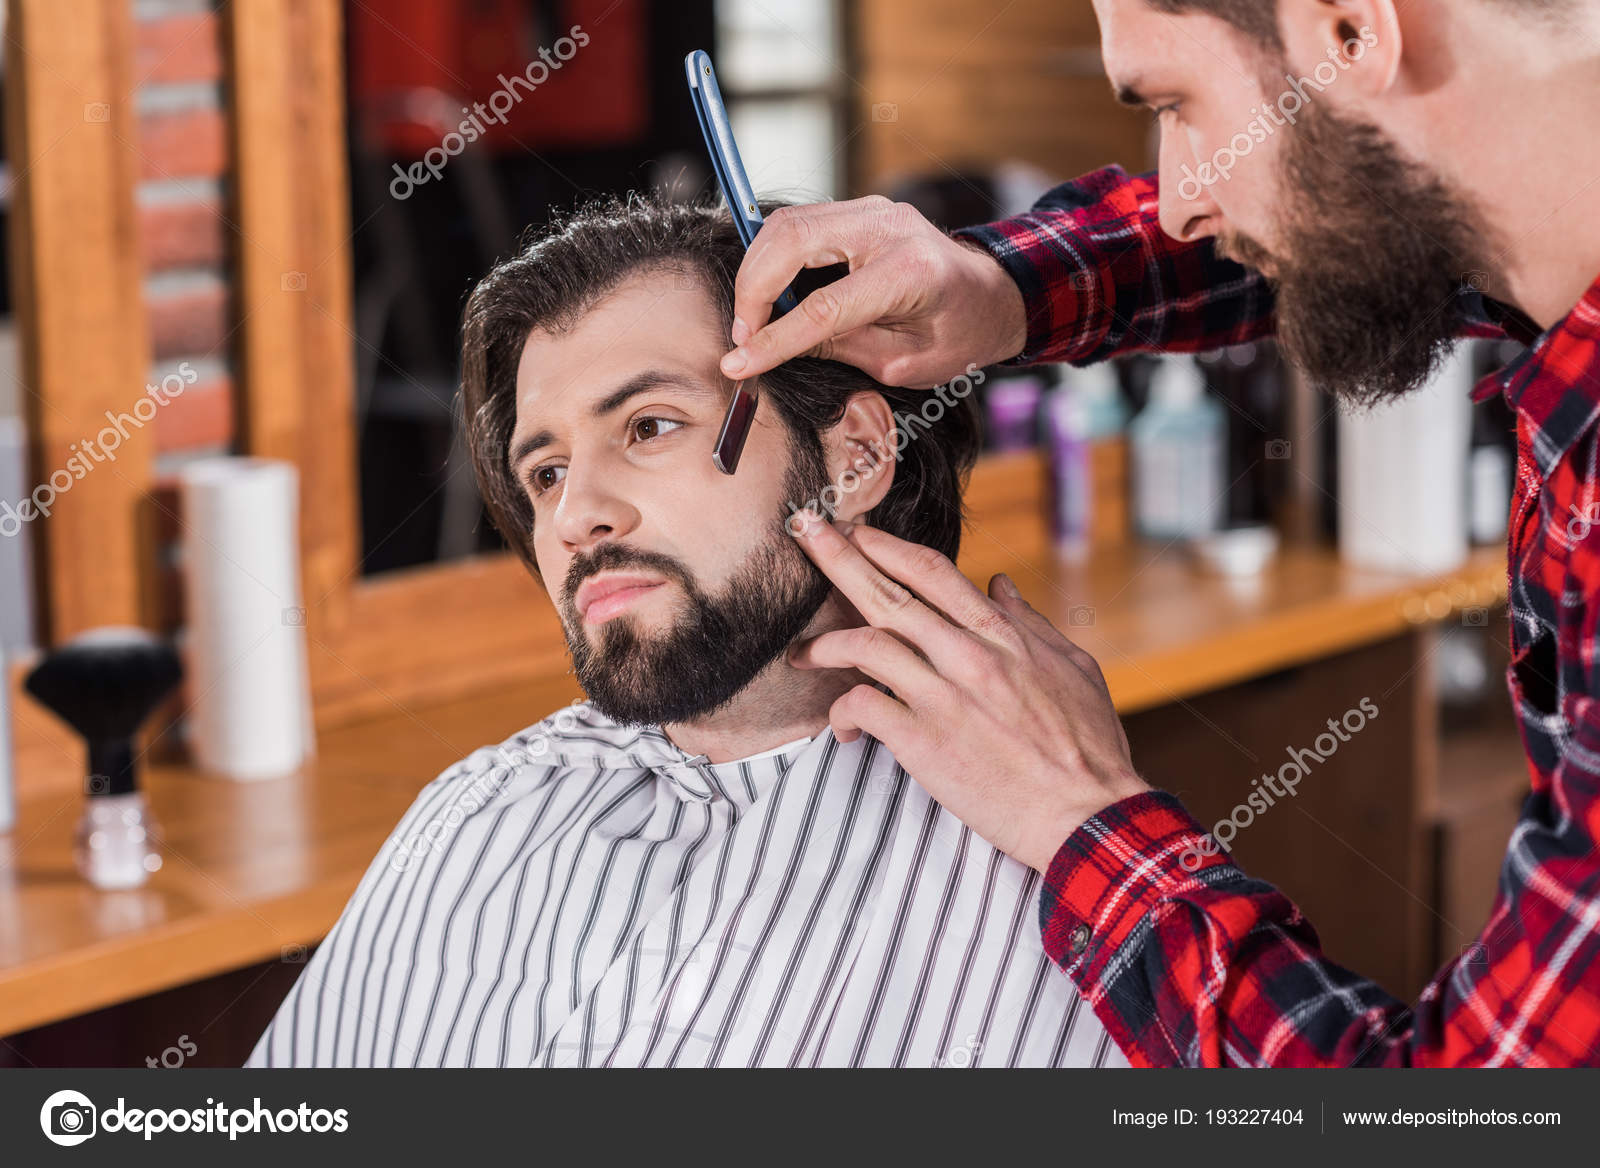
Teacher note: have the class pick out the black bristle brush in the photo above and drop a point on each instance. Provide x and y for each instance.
(104, 683)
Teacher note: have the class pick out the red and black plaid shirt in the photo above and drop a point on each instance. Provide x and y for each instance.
(1211, 967)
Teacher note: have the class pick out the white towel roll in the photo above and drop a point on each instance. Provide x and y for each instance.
(246, 644)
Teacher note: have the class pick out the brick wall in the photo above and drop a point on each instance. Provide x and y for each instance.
(184, 238)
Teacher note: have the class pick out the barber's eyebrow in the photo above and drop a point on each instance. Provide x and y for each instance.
(641, 382)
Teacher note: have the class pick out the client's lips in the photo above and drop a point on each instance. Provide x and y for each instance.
(604, 596)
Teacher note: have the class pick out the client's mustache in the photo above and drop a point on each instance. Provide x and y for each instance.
(610, 557)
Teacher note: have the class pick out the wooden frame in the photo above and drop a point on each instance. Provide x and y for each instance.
(419, 635)
(72, 133)
(423, 634)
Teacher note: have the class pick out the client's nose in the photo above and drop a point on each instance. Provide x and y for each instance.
(590, 511)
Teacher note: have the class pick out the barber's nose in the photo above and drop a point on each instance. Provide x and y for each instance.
(1188, 210)
(590, 510)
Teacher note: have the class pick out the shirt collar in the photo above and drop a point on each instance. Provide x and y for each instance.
(1555, 384)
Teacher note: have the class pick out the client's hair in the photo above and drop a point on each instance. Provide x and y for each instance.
(578, 259)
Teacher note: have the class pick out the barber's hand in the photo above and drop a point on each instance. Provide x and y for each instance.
(916, 307)
(1004, 721)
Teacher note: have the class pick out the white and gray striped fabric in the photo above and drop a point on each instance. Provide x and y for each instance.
(585, 894)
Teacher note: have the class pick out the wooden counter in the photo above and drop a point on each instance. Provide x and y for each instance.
(255, 871)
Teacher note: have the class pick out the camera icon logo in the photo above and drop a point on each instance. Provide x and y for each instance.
(67, 1118)
(97, 112)
(294, 616)
(1080, 616)
(292, 282)
(885, 111)
(1278, 449)
(1476, 281)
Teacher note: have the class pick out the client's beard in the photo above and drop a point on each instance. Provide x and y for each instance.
(719, 644)
(1375, 252)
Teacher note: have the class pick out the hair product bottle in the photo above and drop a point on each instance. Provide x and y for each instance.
(1179, 455)
(1089, 456)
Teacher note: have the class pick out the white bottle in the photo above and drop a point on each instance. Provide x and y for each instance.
(1179, 455)
(1402, 475)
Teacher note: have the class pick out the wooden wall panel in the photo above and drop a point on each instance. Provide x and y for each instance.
(293, 247)
(953, 85)
(72, 133)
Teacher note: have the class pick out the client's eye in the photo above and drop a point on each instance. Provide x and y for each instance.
(545, 477)
(644, 429)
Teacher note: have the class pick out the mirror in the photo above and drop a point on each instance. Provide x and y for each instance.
(470, 121)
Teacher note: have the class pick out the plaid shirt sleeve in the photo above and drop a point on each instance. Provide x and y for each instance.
(1099, 277)
(1211, 968)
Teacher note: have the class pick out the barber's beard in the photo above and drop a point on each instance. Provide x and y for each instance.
(1375, 251)
(718, 643)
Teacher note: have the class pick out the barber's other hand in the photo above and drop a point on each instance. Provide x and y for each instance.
(1003, 719)
(916, 307)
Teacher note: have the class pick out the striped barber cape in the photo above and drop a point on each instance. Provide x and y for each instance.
(586, 894)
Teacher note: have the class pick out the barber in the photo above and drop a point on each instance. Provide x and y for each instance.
(1367, 180)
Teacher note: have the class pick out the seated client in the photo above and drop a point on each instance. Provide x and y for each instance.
(689, 868)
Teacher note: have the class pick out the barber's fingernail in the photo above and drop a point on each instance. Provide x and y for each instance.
(733, 364)
(804, 522)
(740, 331)
(1009, 588)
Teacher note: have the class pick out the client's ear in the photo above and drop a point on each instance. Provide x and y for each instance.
(860, 452)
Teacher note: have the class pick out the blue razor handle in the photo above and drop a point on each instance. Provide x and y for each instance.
(725, 162)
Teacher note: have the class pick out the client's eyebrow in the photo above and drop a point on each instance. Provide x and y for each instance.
(641, 382)
(1129, 95)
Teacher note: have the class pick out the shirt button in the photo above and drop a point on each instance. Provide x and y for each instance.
(1079, 941)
